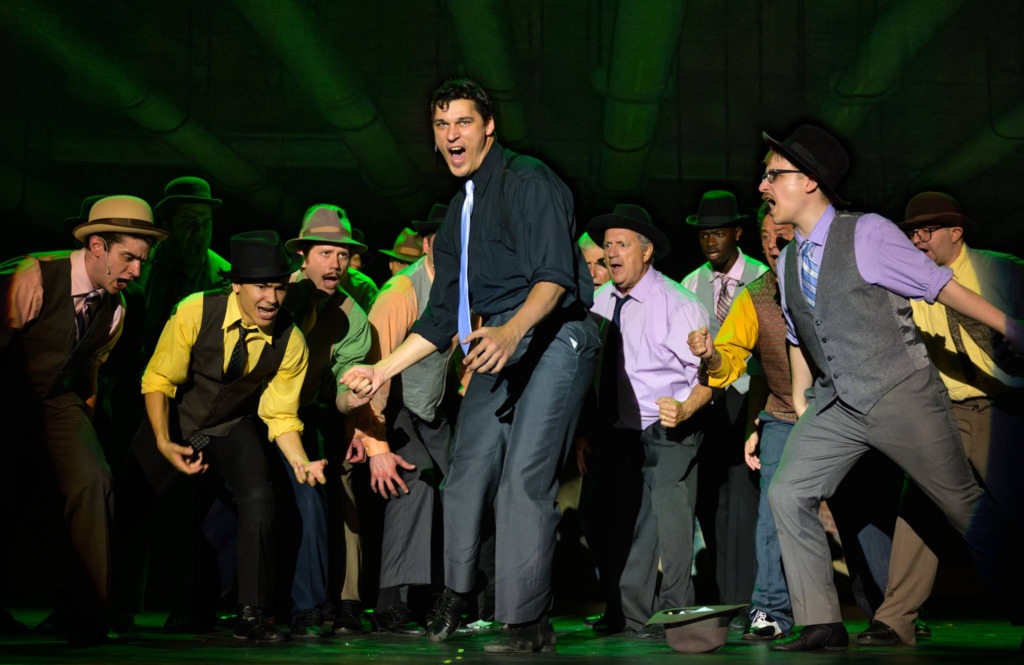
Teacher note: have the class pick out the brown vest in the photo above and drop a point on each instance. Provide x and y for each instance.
(771, 345)
(207, 405)
(47, 350)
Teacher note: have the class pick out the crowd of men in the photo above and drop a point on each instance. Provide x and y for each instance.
(263, 395)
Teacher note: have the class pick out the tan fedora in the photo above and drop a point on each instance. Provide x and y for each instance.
(408, 247)
(326, 225)
(120, 214)
(696, 629)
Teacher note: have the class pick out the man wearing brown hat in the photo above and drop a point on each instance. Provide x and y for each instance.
(222, 360)
(985, 387)
(408, 248)
(844, 285)
(728, 491)
(338, 336)
(642, 484)
(63, 314)
(406, 436)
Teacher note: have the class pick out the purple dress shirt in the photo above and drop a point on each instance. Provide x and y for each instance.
(885, 258)
(657, 359)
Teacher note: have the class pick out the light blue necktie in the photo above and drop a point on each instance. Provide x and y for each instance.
(808, 273)
(465, 327)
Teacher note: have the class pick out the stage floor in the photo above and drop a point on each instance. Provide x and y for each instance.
(955, 640)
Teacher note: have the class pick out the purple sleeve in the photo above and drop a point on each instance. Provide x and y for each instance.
(887, 258)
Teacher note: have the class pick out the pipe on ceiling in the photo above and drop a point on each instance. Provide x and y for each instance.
(903, 29)
(481, 33)
(112, 84)
(291, 30)
(645, 39)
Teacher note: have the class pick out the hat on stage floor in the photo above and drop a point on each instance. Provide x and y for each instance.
(697, 629)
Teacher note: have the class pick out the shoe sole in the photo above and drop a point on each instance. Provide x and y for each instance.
(761, 638)
(876, 643)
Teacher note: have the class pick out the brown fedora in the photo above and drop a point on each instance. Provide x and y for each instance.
(408, 247)
(634, 218)
(120, 214)
(187, 189)
(935, 209)
(817, 154)
(717, 209)
(433, 221)
(696, 629)
(327, 225)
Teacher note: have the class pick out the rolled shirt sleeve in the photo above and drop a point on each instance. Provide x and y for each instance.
(168, 366)
(887, 258)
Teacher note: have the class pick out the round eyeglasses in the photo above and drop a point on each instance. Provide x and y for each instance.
(923, 234)
(771, 174)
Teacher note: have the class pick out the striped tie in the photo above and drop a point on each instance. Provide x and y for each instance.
(83, 317)
(808, 273)
(724, 298)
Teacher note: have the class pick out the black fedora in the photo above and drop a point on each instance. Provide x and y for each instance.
(188, 189)
(433, 222)
(816, 153)
(717, 209)
(259, 256)
(634, 218)
(935, 209)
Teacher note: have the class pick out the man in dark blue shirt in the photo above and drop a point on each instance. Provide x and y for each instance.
(507, 253)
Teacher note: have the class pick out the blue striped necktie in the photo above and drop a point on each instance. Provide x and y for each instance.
(808, 273)
(83, 317)
(465, 327)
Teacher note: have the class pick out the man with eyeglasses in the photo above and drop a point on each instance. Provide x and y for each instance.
(755, 325)
(985, 386)
(844, 285)
(728, 493)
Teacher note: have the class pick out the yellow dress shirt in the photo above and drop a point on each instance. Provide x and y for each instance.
(995, 278)
(168, 368)
(735, 341)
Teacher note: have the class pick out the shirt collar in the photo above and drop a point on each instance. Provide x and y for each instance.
(736, 272)
(233, 318)
(959, 262)
(80, 282)
(642, 288)
(494, 161)
(820, 230)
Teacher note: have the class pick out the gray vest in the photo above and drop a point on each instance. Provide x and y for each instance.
(423, 383)
(861, 337)
(705, 292)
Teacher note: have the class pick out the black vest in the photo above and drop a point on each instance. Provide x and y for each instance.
(47, 349)
(206, 404)
(861, 337)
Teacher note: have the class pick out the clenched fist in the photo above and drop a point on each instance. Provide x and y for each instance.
(701, 344)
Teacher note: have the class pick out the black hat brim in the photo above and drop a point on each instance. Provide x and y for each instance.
(294, 263)
(597, 226)
(805, 166)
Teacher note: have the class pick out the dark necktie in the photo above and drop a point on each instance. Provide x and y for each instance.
(970, 374)
(610, 364)
(239, 356)
(83, 317)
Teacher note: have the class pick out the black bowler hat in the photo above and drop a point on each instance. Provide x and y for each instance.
(259, 256)
(717, 209)
(935, 209)
(634, 218)
(816, 153)
(434, 219)
(188, 189)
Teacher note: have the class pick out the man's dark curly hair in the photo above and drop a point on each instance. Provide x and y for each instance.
(453, 89)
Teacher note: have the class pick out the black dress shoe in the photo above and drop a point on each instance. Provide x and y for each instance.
(446, 616)
(396, 620)
(346, 618)
(591, 620)
(609, 625)
(878, 634)
(308, 624)
(252, 626)
(530, 637)
(921, 629)
(828, 636)
(191, 621)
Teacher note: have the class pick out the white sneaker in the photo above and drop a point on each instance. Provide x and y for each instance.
(762, 628)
